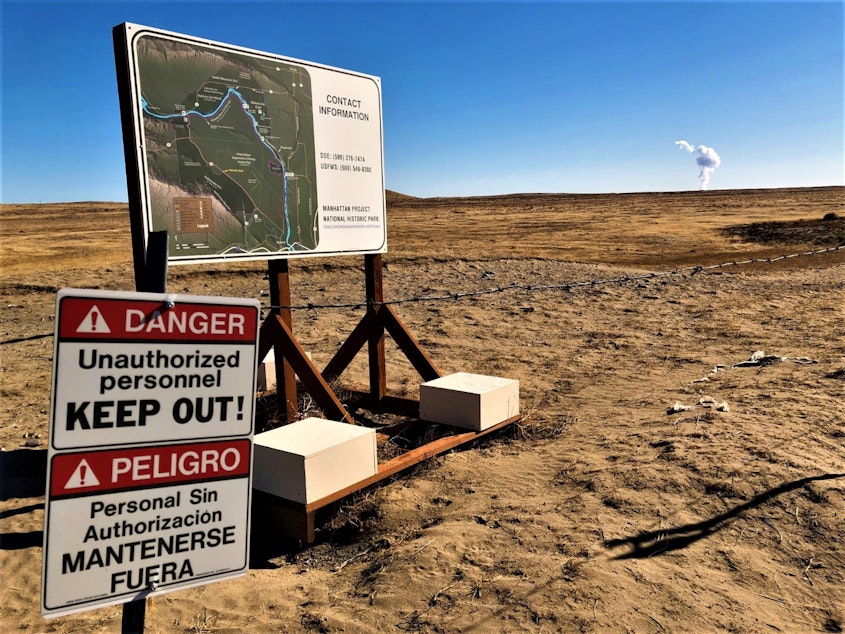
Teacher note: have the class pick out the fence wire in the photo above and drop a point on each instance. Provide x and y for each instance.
(566, 286)
(528, 288)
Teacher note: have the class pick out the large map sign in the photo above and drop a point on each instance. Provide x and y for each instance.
(240, 154)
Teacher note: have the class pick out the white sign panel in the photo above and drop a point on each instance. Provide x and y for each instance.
(150, 456)
(242, 154)
(135, 367)
(108, 542)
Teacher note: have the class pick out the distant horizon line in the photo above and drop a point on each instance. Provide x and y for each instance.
(538, 193)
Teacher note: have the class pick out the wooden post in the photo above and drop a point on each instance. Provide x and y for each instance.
(279, 275)
(379, 318)
(375, 335)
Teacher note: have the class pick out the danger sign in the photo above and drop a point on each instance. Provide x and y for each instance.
(150, 455)
(135, 367)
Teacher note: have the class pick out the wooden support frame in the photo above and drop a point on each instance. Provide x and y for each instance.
(370, 330)
(277, 333)
(298, 520)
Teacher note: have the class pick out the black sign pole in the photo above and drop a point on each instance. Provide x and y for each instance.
(155, 263)
(130, 150)
(133, 617)
(150, 259)
(154, 281)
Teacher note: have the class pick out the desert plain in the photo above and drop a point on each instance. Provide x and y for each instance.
(680, 466)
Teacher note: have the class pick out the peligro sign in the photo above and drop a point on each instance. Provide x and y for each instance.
(150, 456)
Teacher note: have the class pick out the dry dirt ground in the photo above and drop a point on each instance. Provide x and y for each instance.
(604, 510)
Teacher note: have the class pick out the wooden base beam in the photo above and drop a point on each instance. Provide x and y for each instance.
(297, 520)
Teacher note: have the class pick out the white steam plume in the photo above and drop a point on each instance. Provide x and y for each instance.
(706, 159)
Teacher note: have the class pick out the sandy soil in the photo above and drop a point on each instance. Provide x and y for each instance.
(604, 510)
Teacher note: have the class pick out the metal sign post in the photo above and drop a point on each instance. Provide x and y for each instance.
(152, 279)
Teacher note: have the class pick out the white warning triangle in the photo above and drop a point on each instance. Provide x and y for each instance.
(82, 476)
(94, 322)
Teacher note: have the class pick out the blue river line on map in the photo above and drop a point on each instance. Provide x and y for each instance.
(231, 91)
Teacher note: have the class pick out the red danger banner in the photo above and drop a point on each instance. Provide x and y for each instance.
(79, 474)
(100, 318)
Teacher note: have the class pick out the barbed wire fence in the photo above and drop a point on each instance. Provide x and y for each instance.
(566, 286)
(528, 288)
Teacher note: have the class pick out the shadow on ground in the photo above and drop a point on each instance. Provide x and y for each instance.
(23, 473)
(651, 543)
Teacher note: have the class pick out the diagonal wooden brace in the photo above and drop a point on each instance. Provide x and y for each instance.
(310, 376)
(407, 343)
(352, 346)
(388, 320)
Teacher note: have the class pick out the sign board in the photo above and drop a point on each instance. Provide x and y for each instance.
(240, 154)
(150, 454)
(132, 370)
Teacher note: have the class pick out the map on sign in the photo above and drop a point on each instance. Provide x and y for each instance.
(240, 154)
(229, 149)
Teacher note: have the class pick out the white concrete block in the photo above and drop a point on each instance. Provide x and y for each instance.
(472, 401)
(267, 373)
(312, 458)
(266, 378)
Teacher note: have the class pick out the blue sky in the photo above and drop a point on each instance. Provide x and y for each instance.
(478, 98)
